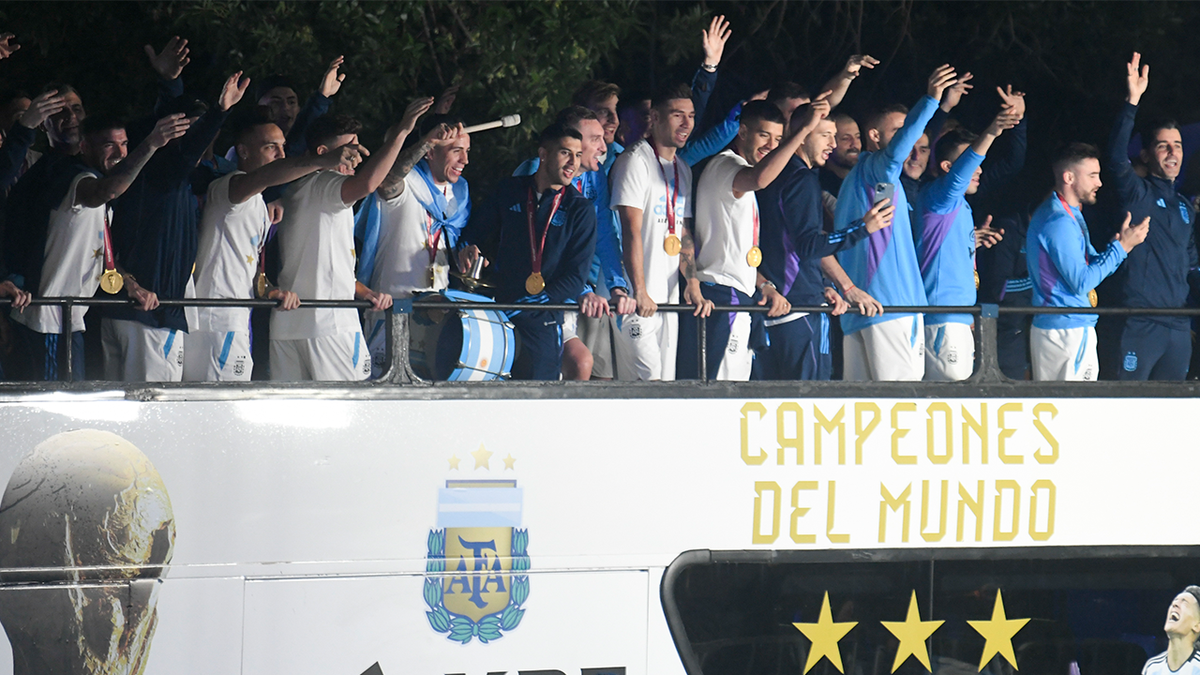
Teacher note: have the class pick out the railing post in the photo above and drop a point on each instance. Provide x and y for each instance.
(702, 341)
(988, 351)
(399, 371)
(67, 315)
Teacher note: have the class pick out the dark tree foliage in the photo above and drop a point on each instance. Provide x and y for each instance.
(527, 57)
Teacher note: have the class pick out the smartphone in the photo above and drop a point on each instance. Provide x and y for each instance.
(884, 191)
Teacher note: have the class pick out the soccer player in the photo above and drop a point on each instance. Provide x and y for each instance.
(1066, 269)
(1157, 274)
(946, 242)
(798, 255)
(651, 193)
(410, 225)
(538, 235)
(1183, 629)
(280, 98)
(317, 248)
(845, 153)
(727, 232)
(76, 241)
(233, 231)
(886, 347)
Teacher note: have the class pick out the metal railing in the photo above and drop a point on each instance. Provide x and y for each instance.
(399, 371)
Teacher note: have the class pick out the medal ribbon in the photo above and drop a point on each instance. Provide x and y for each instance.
(671, 196)
(754, 206)
(110, 262)
(535, 254)
(262, 249)
(432, 240)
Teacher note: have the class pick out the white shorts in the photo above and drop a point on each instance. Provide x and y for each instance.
(891, 351)
(737, 357)
(949, 352)
(343, 357)
(217, 357)
(135, 352)
(570, 326)
(1064, 354)
(646, 348)
(599, 335)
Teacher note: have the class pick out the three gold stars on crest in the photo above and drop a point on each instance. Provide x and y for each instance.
(482, 456)
(912, 633)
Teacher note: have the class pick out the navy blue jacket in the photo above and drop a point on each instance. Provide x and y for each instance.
(154, 223)
(790, 220)
(1156, 273)
(500, 229)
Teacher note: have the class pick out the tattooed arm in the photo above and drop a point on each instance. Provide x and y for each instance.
(393, 183)
(687, 265)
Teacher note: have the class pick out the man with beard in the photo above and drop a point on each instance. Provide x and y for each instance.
(1157, 274)
(946, 241)
(651, 193)
(798, 255)
(1066, 269)
(77, 245)
(538, 235)
(727, 233)
(845, 153)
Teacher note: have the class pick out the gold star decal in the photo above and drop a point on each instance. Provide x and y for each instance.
(481, 457)
(824, 635)
(509, 461)
(454, 460)
(998, 634)
(912, 633)
(250, 259)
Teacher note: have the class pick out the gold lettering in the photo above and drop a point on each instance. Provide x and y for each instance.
(1051, 456)
(860, 432)
(829, 426)
(980, 428)
(1006, 433)
(761, 409)
(934, 536)
(997, 533)
(900, 504)
(930, 441)
(976, 507)
(833, 538)
(759, 488)
(1042, 535)
(785, 441)
(798, 512)
(898, 433)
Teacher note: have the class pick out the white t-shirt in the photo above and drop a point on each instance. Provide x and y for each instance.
(227, 256)
(402, 259)
(637, 181)
(74, 261)
(725, 225)
(316, 242)
(1158, 665)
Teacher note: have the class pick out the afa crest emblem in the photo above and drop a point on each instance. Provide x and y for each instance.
(477, 562)
(1130, 362)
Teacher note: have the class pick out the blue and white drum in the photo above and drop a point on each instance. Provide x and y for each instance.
(461, 345)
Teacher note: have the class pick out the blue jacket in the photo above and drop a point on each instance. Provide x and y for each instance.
(791, 218)
(885, 264)
(500, 229)
(1063, 264)
(1158, 271)
(946, 239)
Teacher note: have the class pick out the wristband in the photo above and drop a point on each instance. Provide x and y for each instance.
(708, 68)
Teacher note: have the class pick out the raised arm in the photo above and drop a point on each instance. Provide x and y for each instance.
(371, 173)
(1063, 242)
(94, 192)
(762, 174)
(22, 135)
(1129, 185)
(892, 157)
(713, 41)
(839, 84)
(393, 184)
(245, 185)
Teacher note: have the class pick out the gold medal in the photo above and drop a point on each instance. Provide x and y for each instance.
(1093, 298)
(535, 283)
(754, 256)
(976, 280)
(260, 285)
(111, 282)
(672, 245)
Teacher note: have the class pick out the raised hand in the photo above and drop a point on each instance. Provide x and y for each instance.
(170, 61)
(856, 63)
(168, 129)
(345, 159)
(1136, 81)
(985, 236)
(233, 91)
(944, 76)
(8, 45)
(332, 80)
(445, 100)
(443, 134)
(42, 108)
(1013, 100)
(1129, 237)
(413, 113)
(1005, 119)
(953, 95)
(714, 39)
